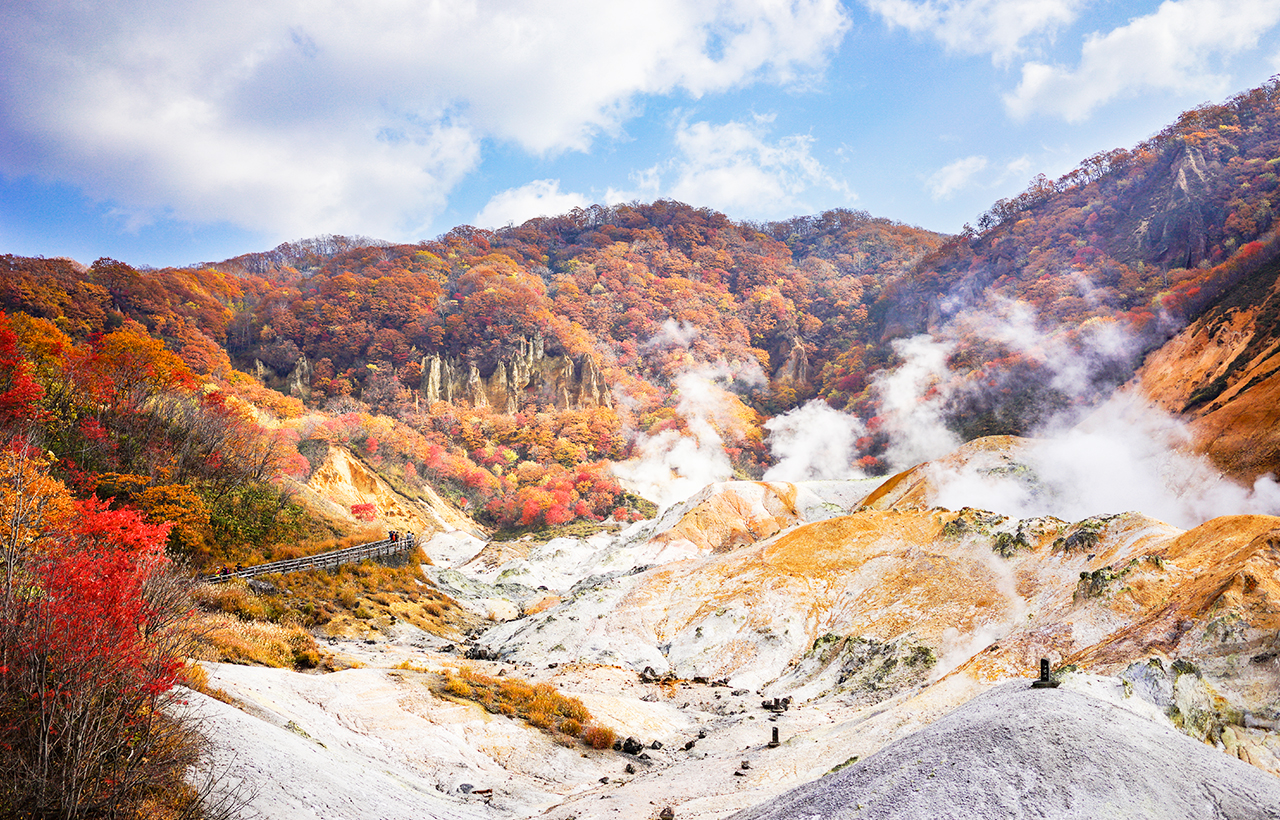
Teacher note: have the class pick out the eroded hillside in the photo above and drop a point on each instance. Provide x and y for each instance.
(1223, 373)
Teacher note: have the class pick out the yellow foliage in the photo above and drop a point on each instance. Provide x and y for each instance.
(191, 534)
(31, 502)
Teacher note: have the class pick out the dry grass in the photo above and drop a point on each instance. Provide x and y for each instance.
(538, 704)
(372, 594)
(242, 626)
(228, 639)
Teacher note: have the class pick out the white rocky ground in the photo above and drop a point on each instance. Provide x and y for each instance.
(877, 625)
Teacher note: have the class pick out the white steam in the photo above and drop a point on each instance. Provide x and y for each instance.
(813, 442)
(1127, 455)
(670, 465)
(912, 400)
(674, 332)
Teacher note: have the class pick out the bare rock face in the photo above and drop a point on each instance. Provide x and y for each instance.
(338, 480)
(528, 371)
(1169, 226)
(299, 380)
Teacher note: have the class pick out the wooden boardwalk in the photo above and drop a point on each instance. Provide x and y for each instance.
(325, 560)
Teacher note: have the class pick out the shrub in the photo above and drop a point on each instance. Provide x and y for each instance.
(598, 737)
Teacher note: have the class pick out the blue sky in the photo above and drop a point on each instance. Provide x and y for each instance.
(169, 134)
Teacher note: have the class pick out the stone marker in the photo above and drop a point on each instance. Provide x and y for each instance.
(1044, 682)
(775, 743)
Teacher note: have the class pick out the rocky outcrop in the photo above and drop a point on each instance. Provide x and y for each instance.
(528, 372)
(794, 370)
(1170, 224)
(299, 379)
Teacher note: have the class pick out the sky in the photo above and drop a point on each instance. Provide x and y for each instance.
(163, 133)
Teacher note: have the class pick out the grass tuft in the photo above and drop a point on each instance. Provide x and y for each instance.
(538, 704)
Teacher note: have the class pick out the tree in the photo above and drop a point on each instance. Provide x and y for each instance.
(92, 640)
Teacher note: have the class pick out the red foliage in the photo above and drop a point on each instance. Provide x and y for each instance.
(19, 392)
(364, 512)
(88, 651)
(93, 610)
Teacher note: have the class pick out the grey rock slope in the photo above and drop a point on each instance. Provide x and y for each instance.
(1016, 752)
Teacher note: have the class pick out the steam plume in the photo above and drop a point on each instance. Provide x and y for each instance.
(814, 441)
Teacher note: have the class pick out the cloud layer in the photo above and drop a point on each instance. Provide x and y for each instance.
(310, 117)
(1175, 48)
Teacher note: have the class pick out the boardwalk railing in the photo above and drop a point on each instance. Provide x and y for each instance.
(325, 560)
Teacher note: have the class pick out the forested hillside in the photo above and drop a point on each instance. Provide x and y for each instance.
(508, 370)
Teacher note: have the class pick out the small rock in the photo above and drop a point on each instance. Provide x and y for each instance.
(617, 745)
(737, 693)
(667, 814)
(689, 745)
(746, 764)
(604, 780)
(700, 679)
(631, 768)
(657, 744)
(632, 746)
(739, 773)
(465, 788)
(702, 733)
(643, 756)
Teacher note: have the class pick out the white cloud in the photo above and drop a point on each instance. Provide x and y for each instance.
(514, 206)
(735, 168)
(304, 117)
(1171, 49)
(944, 182)
(997, 27)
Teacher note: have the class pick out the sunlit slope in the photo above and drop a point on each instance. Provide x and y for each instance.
(1223, 372)
(877, 601)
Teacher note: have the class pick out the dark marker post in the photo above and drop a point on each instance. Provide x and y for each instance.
(1044, 682)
